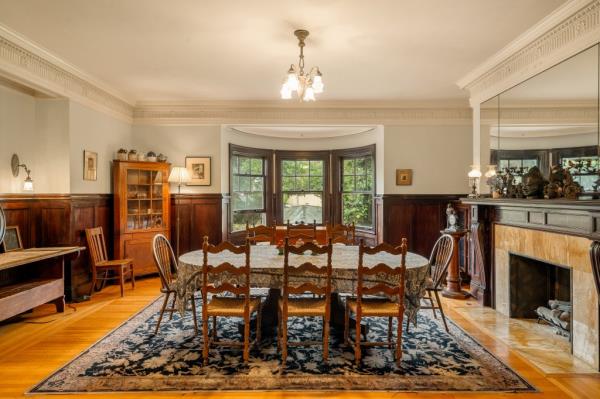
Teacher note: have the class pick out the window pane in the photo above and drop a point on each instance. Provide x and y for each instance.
(244, 182)
(256, 166)
(316, 183)
(288, 168)
(287, 183)
(370, 184)
(348, 166)
(361, 183)
(358, 208)
(234, 164)
(316, 168)
(348, 183)
(257, 184)
(302, 183)
(361, 168)
(369, 164)
(235, 186)
(252, 218)
(255, 200)
(244, 166)
(303, 207)
(238, 201)
(301, 168)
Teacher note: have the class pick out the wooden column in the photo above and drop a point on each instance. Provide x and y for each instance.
(453, 289)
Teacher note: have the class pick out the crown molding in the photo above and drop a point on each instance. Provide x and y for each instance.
(328, 112)
(570, 29)
(28, 64)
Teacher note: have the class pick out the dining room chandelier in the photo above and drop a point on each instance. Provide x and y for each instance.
(306, 85)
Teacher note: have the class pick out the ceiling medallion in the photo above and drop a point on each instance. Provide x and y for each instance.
(305, 85)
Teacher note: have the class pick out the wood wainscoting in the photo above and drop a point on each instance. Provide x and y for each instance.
(48, 220)
(419, 218)
(199, 215)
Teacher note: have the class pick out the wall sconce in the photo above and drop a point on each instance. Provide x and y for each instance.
(16, 165)
(474, 175)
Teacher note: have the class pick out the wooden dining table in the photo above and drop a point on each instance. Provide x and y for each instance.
(266, 271)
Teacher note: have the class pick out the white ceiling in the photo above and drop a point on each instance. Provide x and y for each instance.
(239, 49)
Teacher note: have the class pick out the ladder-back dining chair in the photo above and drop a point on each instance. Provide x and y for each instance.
(440, 258)
(242, 305)
(301, 231)
(342, 233)
(101, 264)
(165, 261)
(391, 305)
(260, 234)
(308, 278)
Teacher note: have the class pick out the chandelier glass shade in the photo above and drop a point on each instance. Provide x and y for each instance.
(306, 85)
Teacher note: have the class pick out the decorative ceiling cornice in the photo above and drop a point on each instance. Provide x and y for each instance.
(28, 64)
(328, 112)
(570, 29)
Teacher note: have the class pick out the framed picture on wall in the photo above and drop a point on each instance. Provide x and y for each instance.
(90, 165)
(403, 177)
(12, 239)
(199, 169)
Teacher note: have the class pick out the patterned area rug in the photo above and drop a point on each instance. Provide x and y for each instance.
(131, 358)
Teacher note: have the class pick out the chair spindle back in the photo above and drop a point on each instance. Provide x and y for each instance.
(440, 258)
(165, 260)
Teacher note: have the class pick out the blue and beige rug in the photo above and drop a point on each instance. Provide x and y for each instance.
(131, 358)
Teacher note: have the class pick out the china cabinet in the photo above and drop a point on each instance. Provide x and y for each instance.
(141, 209)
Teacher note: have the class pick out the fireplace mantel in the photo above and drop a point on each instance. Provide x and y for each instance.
(579, 218)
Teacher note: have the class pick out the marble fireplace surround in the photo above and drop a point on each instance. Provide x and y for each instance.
(559, 249)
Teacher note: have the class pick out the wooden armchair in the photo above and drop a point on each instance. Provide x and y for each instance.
(165, 261)
(378, 306)
(305, 232)
(101, 264)
(342, 233)
(300, 306)
(440, 258)
(260, 234)
(242, 305)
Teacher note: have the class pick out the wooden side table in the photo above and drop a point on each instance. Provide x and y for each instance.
(453, 289)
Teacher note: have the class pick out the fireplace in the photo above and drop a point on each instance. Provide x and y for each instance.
(533, 283)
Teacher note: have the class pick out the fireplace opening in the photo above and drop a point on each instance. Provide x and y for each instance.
(540, 290)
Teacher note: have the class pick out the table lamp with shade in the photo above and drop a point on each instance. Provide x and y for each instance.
(179, 175)
(474, 176)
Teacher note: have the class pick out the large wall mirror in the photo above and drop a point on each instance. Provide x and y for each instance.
(550, 119)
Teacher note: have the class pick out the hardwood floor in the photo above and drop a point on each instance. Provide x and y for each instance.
(40, 342)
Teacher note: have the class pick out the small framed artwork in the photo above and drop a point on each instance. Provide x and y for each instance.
(403, 177)
(90, 165)
(199, 169)
(12, 239)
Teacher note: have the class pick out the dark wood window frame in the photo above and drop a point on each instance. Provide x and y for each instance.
(267, 155)
(303, 155)
(332, 206)
(337, 158)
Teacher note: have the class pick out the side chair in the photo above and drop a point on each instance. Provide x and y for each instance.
(165, 261)
(102, 266)
(388, 303)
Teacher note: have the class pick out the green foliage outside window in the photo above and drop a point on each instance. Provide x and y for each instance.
(358, 190)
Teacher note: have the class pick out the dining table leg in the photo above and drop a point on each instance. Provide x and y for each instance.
(337, 317)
